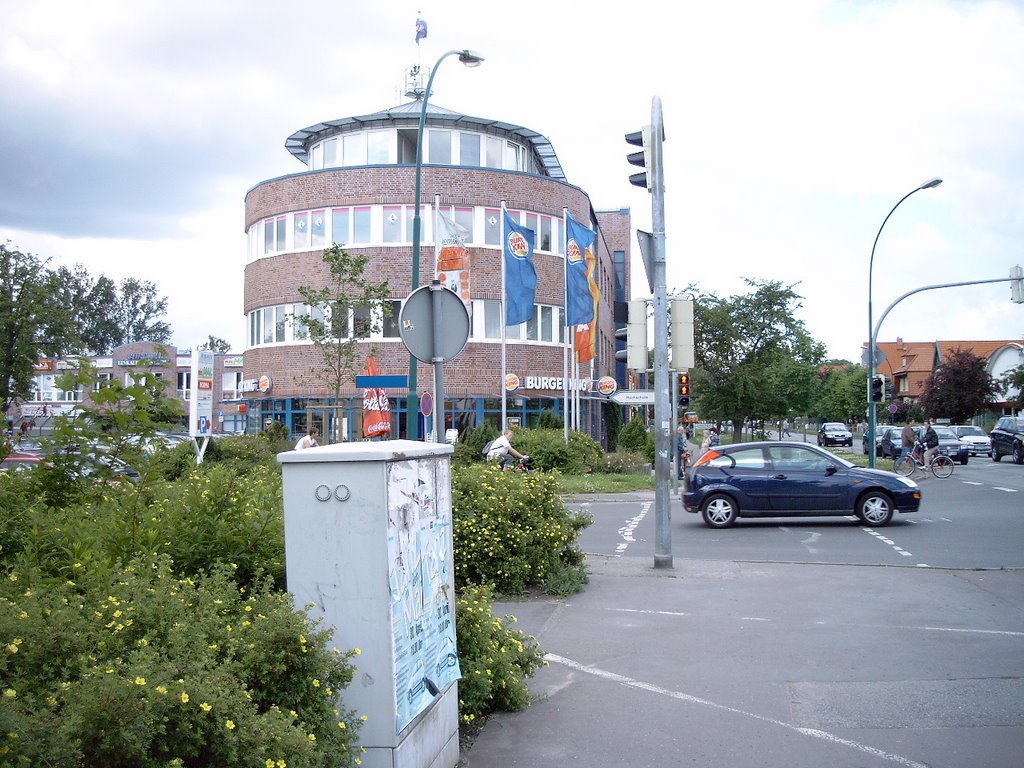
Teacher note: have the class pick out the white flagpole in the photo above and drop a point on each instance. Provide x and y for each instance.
(565, 327)
(504, 315)
(438, 392)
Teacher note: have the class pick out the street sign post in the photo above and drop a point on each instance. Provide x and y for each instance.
(434, 326)
(633, 397)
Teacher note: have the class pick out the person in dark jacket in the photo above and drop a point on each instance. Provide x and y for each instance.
(931, 442)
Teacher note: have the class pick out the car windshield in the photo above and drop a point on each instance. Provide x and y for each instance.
(971, 432)
(945, 433)
(835, 427)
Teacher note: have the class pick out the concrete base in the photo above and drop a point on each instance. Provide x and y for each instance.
(429, 741)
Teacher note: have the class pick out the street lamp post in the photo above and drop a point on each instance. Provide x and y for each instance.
(470, 59)
(871, 328)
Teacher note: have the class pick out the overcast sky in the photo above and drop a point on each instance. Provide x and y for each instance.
(131, 131)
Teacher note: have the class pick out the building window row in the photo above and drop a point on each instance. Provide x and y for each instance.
(441, 146)
(383, 225)
(281, 324)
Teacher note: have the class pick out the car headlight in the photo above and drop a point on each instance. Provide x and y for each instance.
(906, 481)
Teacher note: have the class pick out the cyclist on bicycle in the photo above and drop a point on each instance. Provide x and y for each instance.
(931, 441)
(907, 439)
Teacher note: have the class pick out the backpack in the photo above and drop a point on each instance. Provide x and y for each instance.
(487, 448)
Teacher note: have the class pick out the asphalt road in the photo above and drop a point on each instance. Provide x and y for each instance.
(784, 643)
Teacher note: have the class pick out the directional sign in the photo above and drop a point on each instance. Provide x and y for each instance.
(633, 397)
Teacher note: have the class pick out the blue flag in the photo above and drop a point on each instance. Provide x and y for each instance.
(520, 276)
(421, 30)
(579, 245)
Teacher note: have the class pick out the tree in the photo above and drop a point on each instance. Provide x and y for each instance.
(217, 344)
(1012, 384)
(137, 310)
(32, 325)
(89, 303)
(341, 313)
(754, 358)
(842, 394)
(959, 388)
(103, 315)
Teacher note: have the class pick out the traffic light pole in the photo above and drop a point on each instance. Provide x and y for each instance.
(662, 404)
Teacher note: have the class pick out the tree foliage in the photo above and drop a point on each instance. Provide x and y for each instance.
(754, 357)
(343, 313)
(959, 388)
(216, 344)
(32, 324)
(842, 393)
(1012, 385)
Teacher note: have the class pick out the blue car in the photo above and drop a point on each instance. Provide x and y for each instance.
(781, 479)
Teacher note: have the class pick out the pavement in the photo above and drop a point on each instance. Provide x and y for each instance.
(769, 664)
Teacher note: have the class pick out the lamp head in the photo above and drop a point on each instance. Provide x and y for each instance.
(931, 183)
(470, 58)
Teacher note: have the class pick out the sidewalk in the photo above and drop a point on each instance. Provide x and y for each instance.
(773, 665)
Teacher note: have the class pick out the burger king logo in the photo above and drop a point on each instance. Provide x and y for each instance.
(606, 385)
(511, 382)
(517, 245)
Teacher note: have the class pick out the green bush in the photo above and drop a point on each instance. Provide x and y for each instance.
(140, 668)
(548, 450)
(625, 463)
(494, 658)
(635, 437)
(512, 530)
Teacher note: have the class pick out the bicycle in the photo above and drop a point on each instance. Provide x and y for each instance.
(940, 466)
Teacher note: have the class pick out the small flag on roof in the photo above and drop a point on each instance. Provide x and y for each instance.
(421, 30)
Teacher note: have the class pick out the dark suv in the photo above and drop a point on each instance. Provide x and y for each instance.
(1008, 439)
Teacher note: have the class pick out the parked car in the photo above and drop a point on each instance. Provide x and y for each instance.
(20, 461)
(834, 433)
(1007, 439)
(949, 443)
(786, 479)
(891, 443)
(976, 438)
(880, 433)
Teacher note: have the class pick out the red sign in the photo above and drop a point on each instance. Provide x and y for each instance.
(426, 404)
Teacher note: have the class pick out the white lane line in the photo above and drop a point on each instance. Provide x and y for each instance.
(1007, 490)
(679, 696)
(889, 542)
(626, 531)
(971, 482)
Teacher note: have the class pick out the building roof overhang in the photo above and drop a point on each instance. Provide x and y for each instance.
(408, 114)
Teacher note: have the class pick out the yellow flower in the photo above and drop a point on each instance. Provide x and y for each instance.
(316, 683)
(140, 681)
(161, 689)
(205, 707)
(341, 725)
(184, 698)
(312, 737)
(10, 693)
(230, 725)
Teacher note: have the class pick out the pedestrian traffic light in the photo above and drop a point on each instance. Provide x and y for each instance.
(641, 138)
(683, 389)
(878, 389)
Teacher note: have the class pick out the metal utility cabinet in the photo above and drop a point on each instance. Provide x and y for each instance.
(368, 545)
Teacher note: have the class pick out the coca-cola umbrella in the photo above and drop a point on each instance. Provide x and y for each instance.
(376, 408)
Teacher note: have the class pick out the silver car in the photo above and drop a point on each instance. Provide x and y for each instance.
(977, 440)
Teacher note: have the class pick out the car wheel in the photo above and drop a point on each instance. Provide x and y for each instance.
(1018, 453)
(875, 509)
(963, 461)
(719, 511)
(996, 455)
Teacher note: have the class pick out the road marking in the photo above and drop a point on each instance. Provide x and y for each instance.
(1000, 488)
(899, 550)
(679, 696)
(626, 531)
(971, 482)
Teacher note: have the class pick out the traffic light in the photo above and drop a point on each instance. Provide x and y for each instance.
(683, 389)
(1017, 285)
(641, 138)
(878, 389)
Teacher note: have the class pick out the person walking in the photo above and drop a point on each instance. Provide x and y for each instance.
(785, 428)
(907, 438)
(308, 440)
